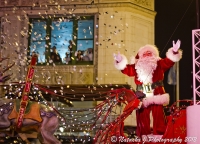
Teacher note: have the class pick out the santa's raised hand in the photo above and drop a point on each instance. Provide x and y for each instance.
(117, 57)
(176, 46)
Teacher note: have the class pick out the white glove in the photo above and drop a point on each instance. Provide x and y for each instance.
(176, 46)
(117, 57)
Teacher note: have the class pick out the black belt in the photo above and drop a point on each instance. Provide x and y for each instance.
(149, 87)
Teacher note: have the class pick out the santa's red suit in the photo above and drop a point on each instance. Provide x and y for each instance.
(149, 75)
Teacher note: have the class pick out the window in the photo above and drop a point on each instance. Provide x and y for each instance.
(65, 40)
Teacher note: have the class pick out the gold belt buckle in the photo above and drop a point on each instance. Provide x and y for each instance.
(147, 88)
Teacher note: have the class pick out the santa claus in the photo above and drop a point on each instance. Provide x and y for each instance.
(148, 69)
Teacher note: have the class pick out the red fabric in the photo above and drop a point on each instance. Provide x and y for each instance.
(143, 120)
(176, 127)
(143, 115)
(33, 60)
(158, 74)
(159, 90)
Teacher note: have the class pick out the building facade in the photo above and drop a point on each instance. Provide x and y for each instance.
(118, 26)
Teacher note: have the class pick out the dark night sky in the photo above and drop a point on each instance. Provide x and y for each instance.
(175, 19)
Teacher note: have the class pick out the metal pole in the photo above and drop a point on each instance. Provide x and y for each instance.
(197, 13)
(177, 83)
(194, 65)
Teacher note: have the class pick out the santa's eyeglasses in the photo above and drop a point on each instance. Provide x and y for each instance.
(147, 53)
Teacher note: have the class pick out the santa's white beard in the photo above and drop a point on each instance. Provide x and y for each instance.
(145, 67)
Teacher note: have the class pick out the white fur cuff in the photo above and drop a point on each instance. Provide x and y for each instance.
(157, 99)
(174, 57)
(132, 60)
(121, 65)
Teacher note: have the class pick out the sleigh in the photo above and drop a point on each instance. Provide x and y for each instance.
(114, 131)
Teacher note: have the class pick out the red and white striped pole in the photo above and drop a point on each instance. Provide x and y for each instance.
(25, 97)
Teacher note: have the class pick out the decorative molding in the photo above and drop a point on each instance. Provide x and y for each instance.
(35, 2)
(9, 2)
(42, 2)
(128, 5)
(149, 4)
(79, 9)
(145, 3)
(135, 4)
(64, 74)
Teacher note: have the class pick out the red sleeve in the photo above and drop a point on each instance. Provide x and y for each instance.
(129, 70)
(166, 64)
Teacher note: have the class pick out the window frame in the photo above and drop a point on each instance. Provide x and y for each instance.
(49, 21)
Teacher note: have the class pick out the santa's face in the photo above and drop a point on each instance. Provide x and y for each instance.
(147, 54)
(145, 67)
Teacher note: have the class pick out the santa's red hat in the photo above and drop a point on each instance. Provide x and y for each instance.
(153, 49)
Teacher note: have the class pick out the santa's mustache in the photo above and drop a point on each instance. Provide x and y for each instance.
(147, 60)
